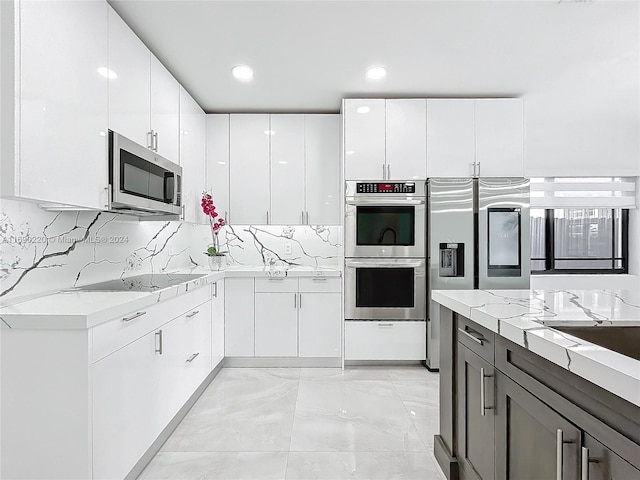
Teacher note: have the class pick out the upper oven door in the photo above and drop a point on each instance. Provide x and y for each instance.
(385, 227)
(385, 289)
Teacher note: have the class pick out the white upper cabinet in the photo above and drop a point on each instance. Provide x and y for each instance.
(406, 139)
(249, 168)
(287, 169)
(322, 169)
(499, 137)
(364, 139)
(165, 111)
(62, 144)
(130, 90)
(450, 138)
(218, 161)
(192, 157)
(144, 98)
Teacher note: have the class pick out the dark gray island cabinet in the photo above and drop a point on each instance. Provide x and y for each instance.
(509, 413)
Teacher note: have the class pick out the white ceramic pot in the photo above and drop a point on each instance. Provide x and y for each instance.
(217, 262)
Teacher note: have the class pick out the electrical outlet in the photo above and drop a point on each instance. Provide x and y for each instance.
(287, 248)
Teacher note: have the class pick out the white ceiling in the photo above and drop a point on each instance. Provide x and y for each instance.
(307, 55)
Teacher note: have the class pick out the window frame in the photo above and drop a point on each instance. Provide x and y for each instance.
(550, 258)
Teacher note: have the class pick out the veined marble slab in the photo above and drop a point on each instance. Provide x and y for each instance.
(77, 309)
(527, 317)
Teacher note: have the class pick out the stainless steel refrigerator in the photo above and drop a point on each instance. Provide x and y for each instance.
(479, 239)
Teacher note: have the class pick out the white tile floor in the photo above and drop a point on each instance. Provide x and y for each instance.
(307, 423)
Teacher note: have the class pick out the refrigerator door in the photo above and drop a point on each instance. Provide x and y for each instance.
(503, 233)
(451, 249)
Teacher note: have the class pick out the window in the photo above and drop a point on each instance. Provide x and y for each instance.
(579, 240)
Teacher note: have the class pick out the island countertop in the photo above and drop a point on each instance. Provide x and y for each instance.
(73, 308)
(528, 318)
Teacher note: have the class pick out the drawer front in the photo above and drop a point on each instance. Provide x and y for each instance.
(276, 284)
(476, 338)
(385, 340)
(320, 284)
(110, 336)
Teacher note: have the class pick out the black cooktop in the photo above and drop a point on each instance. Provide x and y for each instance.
(148, 282)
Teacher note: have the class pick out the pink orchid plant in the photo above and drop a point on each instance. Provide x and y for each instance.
(209, 210)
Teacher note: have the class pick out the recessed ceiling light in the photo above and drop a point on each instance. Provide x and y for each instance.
(222, 163)
(269, 132)
(349, 152)
(363, 110)
(376, 72)
(242, 73)
(107, 73)
(282, 162)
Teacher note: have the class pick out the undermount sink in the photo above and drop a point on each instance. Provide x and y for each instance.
(624, 340)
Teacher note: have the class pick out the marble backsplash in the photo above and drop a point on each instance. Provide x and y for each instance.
(310, 245)
(42, 251)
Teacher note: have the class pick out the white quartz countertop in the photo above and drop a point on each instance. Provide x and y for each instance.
(528, 318)
(77, 309)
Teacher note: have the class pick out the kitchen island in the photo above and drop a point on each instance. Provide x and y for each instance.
(539, 384)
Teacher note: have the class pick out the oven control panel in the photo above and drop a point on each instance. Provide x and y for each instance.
(377, 187)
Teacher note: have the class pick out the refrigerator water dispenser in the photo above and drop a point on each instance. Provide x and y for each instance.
(451, 260)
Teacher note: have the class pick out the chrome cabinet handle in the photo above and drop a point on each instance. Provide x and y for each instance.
(150, 139)
(300, 301)
(275, 279)
(215, 292)
(483, 406)
(385, 325)
(319, 279)
(131, 317)
(384, 177)
(302, 217)
(192, 357)
(267, 217)
(585, 461)
(155, 141)
(479, 339)
(193, 314)
(388, 172)
(295, 300)
(478, 163)
(159, 342)
(559, 460)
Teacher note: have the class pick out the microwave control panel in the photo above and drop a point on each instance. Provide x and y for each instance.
(377, 187)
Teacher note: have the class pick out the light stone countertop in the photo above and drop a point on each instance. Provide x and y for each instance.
(528, 318)
(77, 309)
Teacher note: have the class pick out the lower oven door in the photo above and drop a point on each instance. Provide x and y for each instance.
(385, 289)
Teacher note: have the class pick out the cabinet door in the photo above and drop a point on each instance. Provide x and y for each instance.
(287, 169)
(130, 91)
(476, 415)
(450, 137)
(500, 137)
(322, 169)
(218, 162)
(320, 325)
(165, 111)
(192, 157)
(277, 324)
(217, 323)
(249, 137)
(527, 434)
(406, 144)
(364, 139)
(239, 317)
(125, 407)
(63, 102)
(604, 464)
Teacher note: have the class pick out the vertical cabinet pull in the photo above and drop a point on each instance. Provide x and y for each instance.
(155, 141)
(388, 172)
(384, 176)
(150, 139)
(483, 406)
(585, 461)
(267, 217)
(215, 291)
(559, 444)
(295, 300)
(300, 301)
(308, 223)
(159, 342)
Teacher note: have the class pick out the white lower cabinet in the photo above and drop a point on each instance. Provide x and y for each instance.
(239, 317)
(319, 325)
(276, 324)
(217, 323)
(124, 420)
(393, 340)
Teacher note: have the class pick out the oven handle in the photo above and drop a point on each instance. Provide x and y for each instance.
(384, 202)
(381, 263)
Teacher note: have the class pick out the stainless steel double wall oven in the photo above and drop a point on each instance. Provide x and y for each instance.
(385, 249)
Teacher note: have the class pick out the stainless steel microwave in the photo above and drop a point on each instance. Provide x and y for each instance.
(141, 181)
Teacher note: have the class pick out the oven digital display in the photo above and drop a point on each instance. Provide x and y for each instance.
(376, 187)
